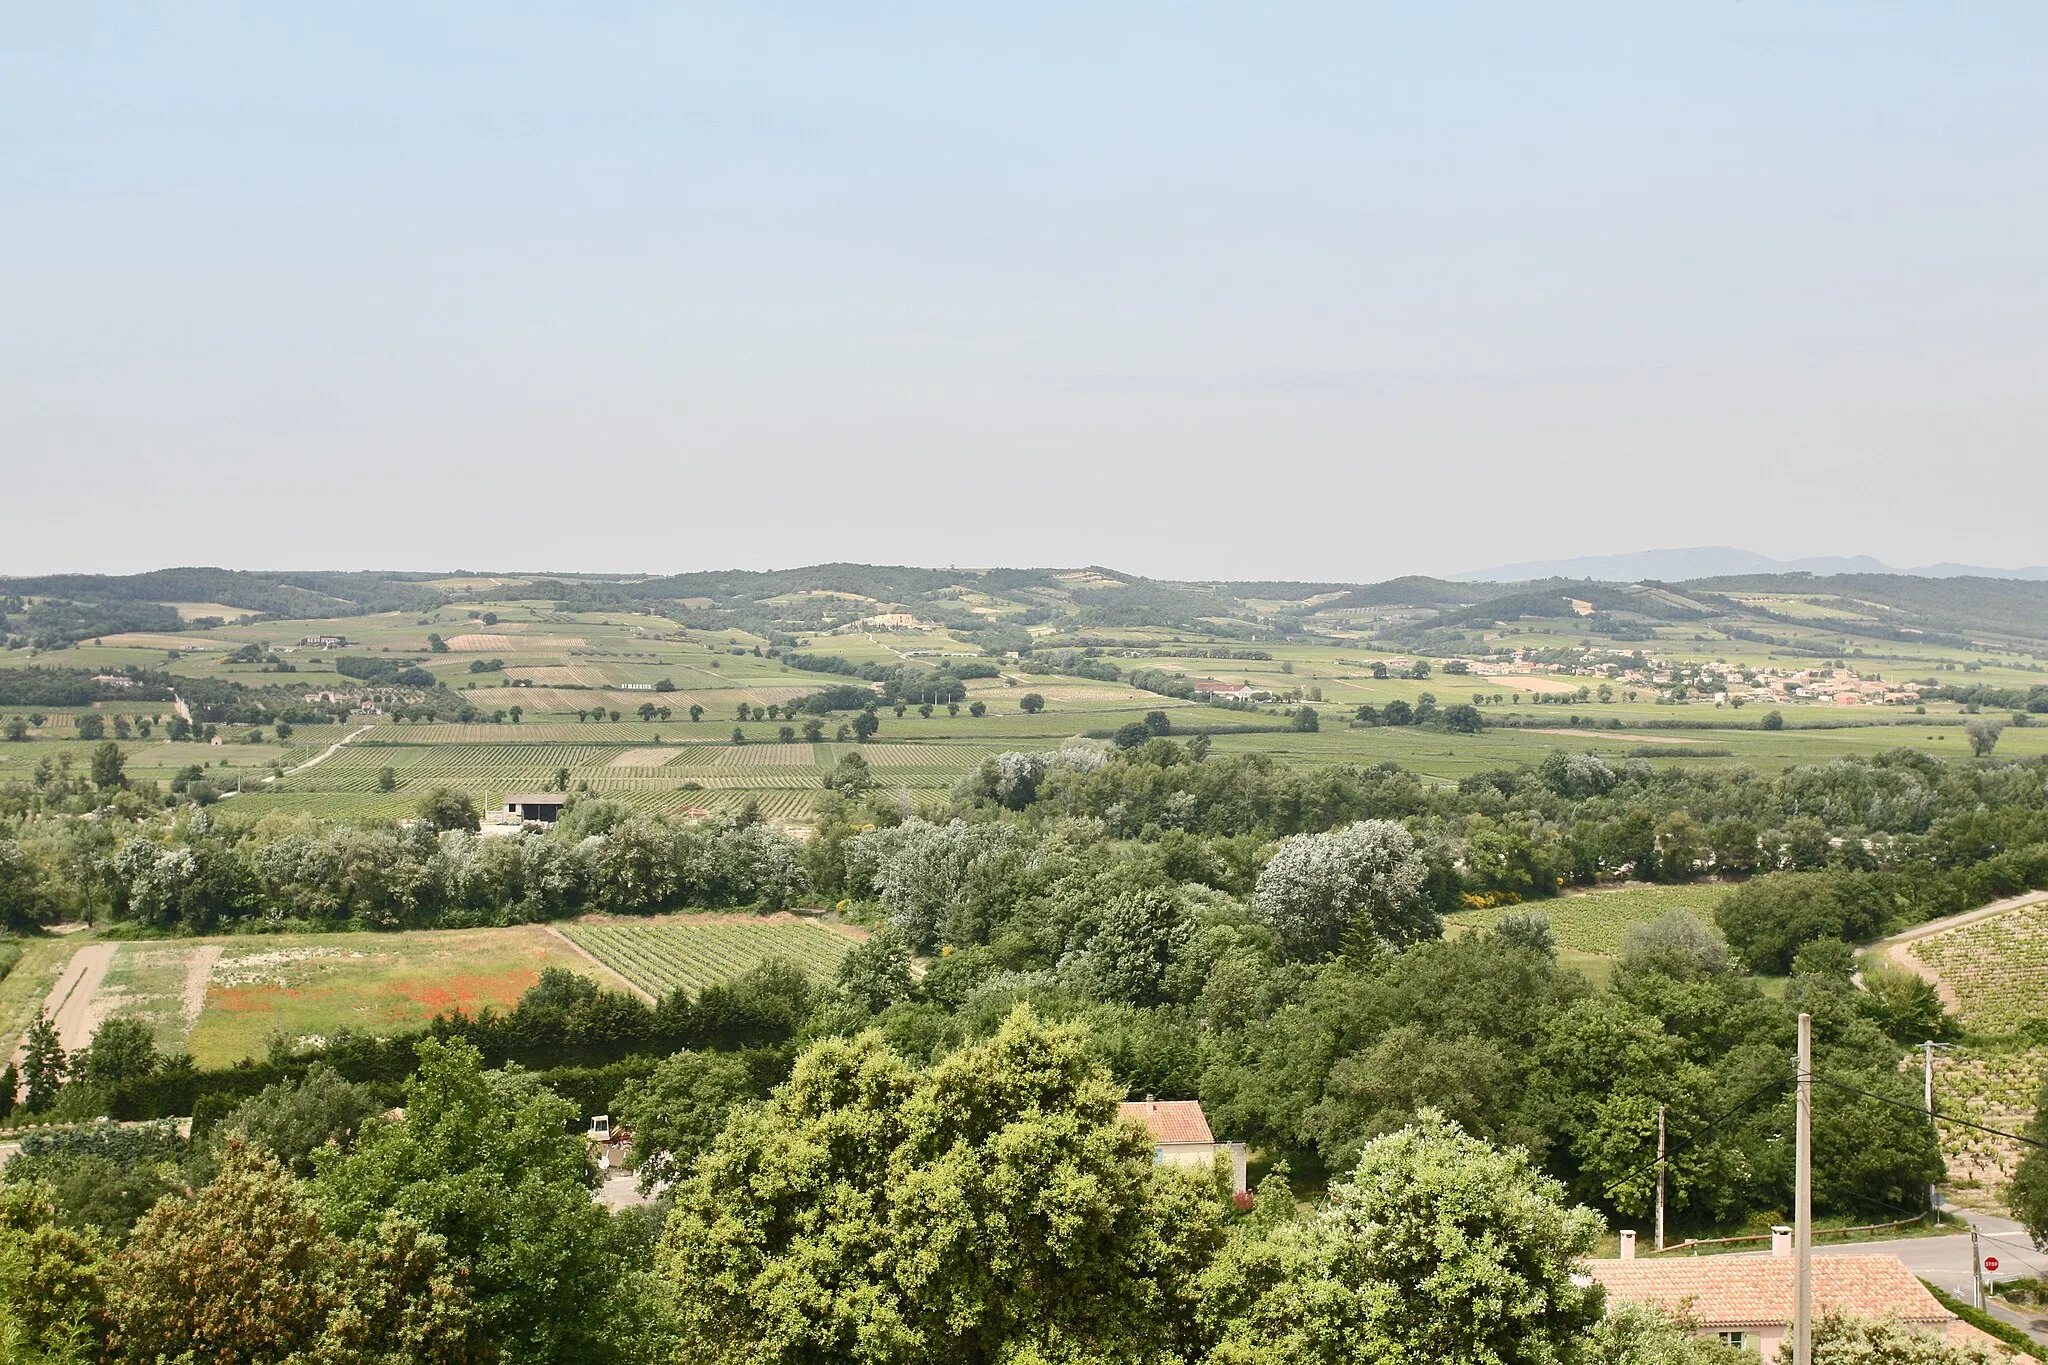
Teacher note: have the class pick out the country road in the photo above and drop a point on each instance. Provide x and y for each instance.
(328, 752)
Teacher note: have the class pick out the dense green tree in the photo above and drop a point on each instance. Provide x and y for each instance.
(991, 1208)
(487, 1162)
(107, 763)
(2027, 1193)
(52, 1282)
(122, 1049)
(103, 1178)
(90, 726)
(24, 901)
(1904, 1004)
(445, 808)
(1983, 735)
(43, 1064)
(1766, 919)
(1031, 703)
(865, 723)
(877, 974)
(1366, 878)
(1139, 939)
(292, 1119)
(1463, 718)
(245, 1271)
(1439, 1247)
(678, 1111)
(387, 779)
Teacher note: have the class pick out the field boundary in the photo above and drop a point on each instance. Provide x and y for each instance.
(573, 946)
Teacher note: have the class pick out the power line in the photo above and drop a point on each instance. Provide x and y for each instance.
(1703, 1131)
(1938, 1116)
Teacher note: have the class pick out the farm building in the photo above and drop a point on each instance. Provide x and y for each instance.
(1241, 691)
(545, 807)
(1746, 1301)
(1181, 1136)
(325, 641)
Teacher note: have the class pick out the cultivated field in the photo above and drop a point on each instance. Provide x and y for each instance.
(222, 999)
(689, 952)
(1995, 974)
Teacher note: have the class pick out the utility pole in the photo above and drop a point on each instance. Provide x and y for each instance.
(1927, 1080)
(1660, 1177)
(1976, 1269)
(1802, 1203)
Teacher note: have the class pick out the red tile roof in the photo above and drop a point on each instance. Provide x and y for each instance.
(1170, 1121)
(1727, 1292)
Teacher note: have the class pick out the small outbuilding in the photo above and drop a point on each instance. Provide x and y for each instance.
(542, 807)
(1181, 1136)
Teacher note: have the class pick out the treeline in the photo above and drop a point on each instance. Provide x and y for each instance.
(301, 595)
(75, 687)
(54, 623)
(1915, 837)
(900, 683)
(1904, 837)
(383, 672)
(2032, 699)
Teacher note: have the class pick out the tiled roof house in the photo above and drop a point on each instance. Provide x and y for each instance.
(1181, 1136)
(1747, 1300)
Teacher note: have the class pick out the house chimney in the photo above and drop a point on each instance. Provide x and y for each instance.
(1237, 1169)
(1781, 1240)
(1628, 1244)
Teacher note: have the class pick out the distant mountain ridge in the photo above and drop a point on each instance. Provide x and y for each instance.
(1719, 561)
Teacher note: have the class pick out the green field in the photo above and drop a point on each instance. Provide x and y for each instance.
(1597, 921)
(690, 952)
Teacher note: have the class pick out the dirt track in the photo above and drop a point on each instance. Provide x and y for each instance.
(69, 1002)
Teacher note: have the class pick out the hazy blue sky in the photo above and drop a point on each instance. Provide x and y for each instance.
(1238, 290)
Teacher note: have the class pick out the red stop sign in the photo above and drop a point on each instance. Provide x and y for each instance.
(1991, 1263)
